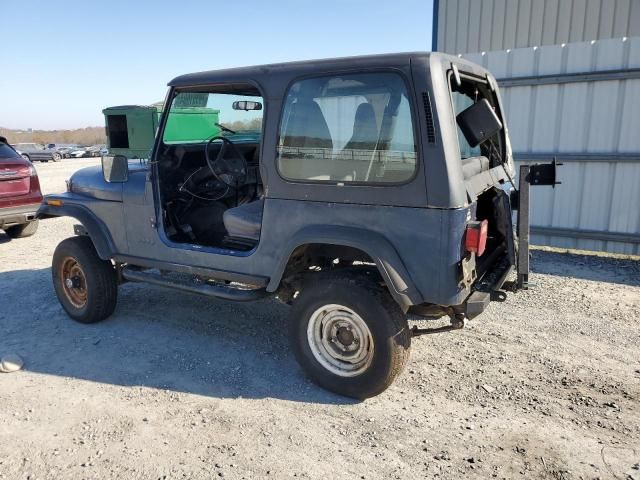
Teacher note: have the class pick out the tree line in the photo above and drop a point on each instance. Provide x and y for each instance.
(81, 136)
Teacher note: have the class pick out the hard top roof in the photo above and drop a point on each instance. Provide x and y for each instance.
(298, 67)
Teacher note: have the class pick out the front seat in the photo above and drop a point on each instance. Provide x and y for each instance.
(307, 127)
(244, 221)
(365, 129)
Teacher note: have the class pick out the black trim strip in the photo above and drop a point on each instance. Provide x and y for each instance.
(577, 77)
(621, 237)
(612, 157)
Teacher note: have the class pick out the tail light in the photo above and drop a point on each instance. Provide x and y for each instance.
(32, 171)
(475, 239)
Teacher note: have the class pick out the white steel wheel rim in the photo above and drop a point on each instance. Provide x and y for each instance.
(340, 340)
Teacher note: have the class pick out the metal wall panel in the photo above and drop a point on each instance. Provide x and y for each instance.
(595, 123)
(468, 26)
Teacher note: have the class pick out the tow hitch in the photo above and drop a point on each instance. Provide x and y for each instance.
(530, 175)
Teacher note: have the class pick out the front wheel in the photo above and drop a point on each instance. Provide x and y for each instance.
(349, 335)
(56, 157)
(86, 285)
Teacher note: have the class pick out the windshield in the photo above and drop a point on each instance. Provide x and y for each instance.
(196, 117)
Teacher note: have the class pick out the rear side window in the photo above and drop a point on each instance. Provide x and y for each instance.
(7, 152)
(354, 128)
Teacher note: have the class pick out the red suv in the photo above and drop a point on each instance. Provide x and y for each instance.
(20, 194)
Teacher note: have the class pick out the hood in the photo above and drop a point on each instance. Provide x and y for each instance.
(90, 182)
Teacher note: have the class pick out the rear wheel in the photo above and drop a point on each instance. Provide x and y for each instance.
(26, 157)
(86, 285)
(56, 157)
(349, 335)
(24, 230)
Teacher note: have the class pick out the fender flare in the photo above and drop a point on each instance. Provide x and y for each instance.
(383, 253)
(96, 229)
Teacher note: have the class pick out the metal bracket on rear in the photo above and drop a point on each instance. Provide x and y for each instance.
(530, 175)
(457, 322)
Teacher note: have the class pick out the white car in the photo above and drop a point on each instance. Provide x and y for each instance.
(78, 153)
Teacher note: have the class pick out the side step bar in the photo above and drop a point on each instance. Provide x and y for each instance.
(218, 291)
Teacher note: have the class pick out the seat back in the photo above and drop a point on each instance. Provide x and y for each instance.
(365, 129)
(307, 127)
(307, 145)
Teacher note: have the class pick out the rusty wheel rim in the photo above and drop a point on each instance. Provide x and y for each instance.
(74, 282)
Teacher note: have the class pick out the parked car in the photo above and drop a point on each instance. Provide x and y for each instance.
(79, 152)
(38, 152)
(19, 152)
(66, 150)
(353, 201)
(20, 194)
(96, 150)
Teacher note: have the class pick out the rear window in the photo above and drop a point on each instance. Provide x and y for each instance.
(7, 152)
(352, 129)
(464, 96)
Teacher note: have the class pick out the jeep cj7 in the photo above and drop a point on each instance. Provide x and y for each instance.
(363, 191)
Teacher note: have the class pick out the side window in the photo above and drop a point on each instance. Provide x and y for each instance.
(353, 128)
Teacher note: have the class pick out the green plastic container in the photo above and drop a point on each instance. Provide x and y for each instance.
(131, 129)
(191, 124)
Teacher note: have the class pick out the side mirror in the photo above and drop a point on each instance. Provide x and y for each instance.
(115, 169)
(246, 105)
(478, 122)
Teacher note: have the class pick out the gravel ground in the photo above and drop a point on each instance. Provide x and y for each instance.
(544, 385)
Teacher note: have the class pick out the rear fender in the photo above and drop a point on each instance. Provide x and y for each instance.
(381, 251)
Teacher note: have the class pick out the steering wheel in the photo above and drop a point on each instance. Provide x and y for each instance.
(231, 171)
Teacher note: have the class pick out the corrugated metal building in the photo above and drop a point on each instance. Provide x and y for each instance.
(469, 26)
(578, 101)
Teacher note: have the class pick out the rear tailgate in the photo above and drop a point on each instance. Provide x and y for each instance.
(15, 178)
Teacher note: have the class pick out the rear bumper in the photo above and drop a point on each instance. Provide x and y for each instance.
(19, 215)
(485, 290)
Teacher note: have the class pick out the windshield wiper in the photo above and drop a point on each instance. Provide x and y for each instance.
(225, 129)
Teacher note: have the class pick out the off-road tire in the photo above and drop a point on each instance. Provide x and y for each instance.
(100, 279)
(24, 230)
(383, 317)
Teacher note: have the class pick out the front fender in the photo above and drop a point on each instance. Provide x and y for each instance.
(97, 230)
(385, 256)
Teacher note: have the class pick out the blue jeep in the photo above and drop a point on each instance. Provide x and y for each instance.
(363, 191)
